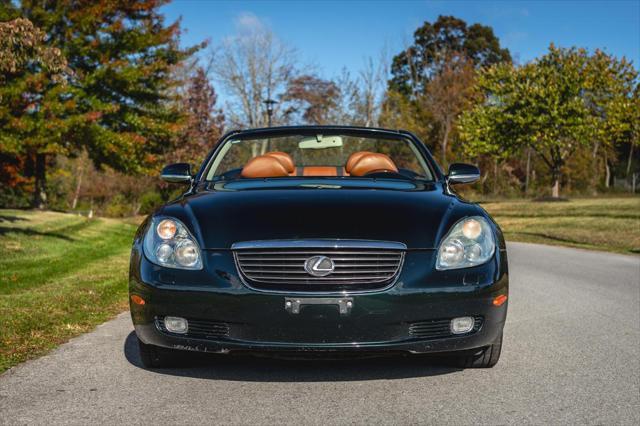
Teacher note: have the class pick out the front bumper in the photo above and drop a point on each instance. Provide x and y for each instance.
(377, 321)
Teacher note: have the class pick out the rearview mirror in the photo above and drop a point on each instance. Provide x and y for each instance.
(177, 173)
(462, 173)
(320, 141)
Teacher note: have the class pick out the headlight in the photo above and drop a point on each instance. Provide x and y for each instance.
(469, 243)
(169, 243)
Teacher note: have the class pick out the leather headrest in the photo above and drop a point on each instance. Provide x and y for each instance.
(353, 159)
(263, 166)
(373, 162)
(283, 158)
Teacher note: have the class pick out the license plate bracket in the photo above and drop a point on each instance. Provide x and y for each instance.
(293, 305)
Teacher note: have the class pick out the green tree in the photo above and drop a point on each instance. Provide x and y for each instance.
(117, 104)
(435, 75)
(554, 105)
(610, 97)
(398, 112)
(433, 43)
(634, 127)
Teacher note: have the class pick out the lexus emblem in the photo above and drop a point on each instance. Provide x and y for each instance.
(319, 266)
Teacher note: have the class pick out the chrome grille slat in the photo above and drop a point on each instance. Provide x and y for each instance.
(365, 265)
(263, 262)
(262, 271)
(305, 252)
(358, 265)
(303, 258)
(327, 279)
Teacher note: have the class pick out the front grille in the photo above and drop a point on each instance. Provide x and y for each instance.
(357, 265)
(199, 329)
(438, 329)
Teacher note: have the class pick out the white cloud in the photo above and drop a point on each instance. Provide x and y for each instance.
(247, 21)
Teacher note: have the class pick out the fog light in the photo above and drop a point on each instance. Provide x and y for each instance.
(462, 325)
(176, 325)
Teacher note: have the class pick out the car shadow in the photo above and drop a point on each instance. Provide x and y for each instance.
(265, 368)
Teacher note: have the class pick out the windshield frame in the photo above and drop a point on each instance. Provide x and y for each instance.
(274, 132)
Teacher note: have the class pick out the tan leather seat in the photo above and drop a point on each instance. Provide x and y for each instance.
(373, 162)
(353, 159)
(285, 159)
(322, 171)
(263, 166)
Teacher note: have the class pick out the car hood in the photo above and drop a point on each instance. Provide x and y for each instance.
(417, 218)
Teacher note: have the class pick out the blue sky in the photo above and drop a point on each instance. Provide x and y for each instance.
(331, 35)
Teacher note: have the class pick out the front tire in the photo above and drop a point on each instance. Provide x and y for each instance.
(484, 358)
(156, 357)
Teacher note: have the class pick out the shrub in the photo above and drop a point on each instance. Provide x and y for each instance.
(15, 198)
(118, 206)
(149, 201)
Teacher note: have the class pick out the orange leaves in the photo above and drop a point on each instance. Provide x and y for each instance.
(93, 115)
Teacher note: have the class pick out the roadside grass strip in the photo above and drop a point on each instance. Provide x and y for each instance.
(610, 224)
(60, 276)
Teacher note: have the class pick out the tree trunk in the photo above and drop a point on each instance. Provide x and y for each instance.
(629, 160)
(76, 194)
(40, 190)
(495, 176)
(555, 177)
(444, 143)
(594, 168)
(607, 171)
(555, 190)
(526, 179)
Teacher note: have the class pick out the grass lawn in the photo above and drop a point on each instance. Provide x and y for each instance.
(611, 224)
(60, 275)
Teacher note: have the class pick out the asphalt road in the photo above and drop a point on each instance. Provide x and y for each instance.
(571, 355)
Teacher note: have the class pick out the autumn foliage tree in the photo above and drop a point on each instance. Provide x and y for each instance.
(204, 121)
(116, 103)
(32, 79)
(432, 80)
(314, 97)
(448, 94)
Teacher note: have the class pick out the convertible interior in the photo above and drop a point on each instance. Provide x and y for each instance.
(280, 164)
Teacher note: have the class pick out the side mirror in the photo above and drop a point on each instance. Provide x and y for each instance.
(177, 173)
(462, 173)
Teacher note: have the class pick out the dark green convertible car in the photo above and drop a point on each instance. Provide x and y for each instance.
(305, 239)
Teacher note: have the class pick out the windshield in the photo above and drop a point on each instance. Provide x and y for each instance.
(335, 155)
